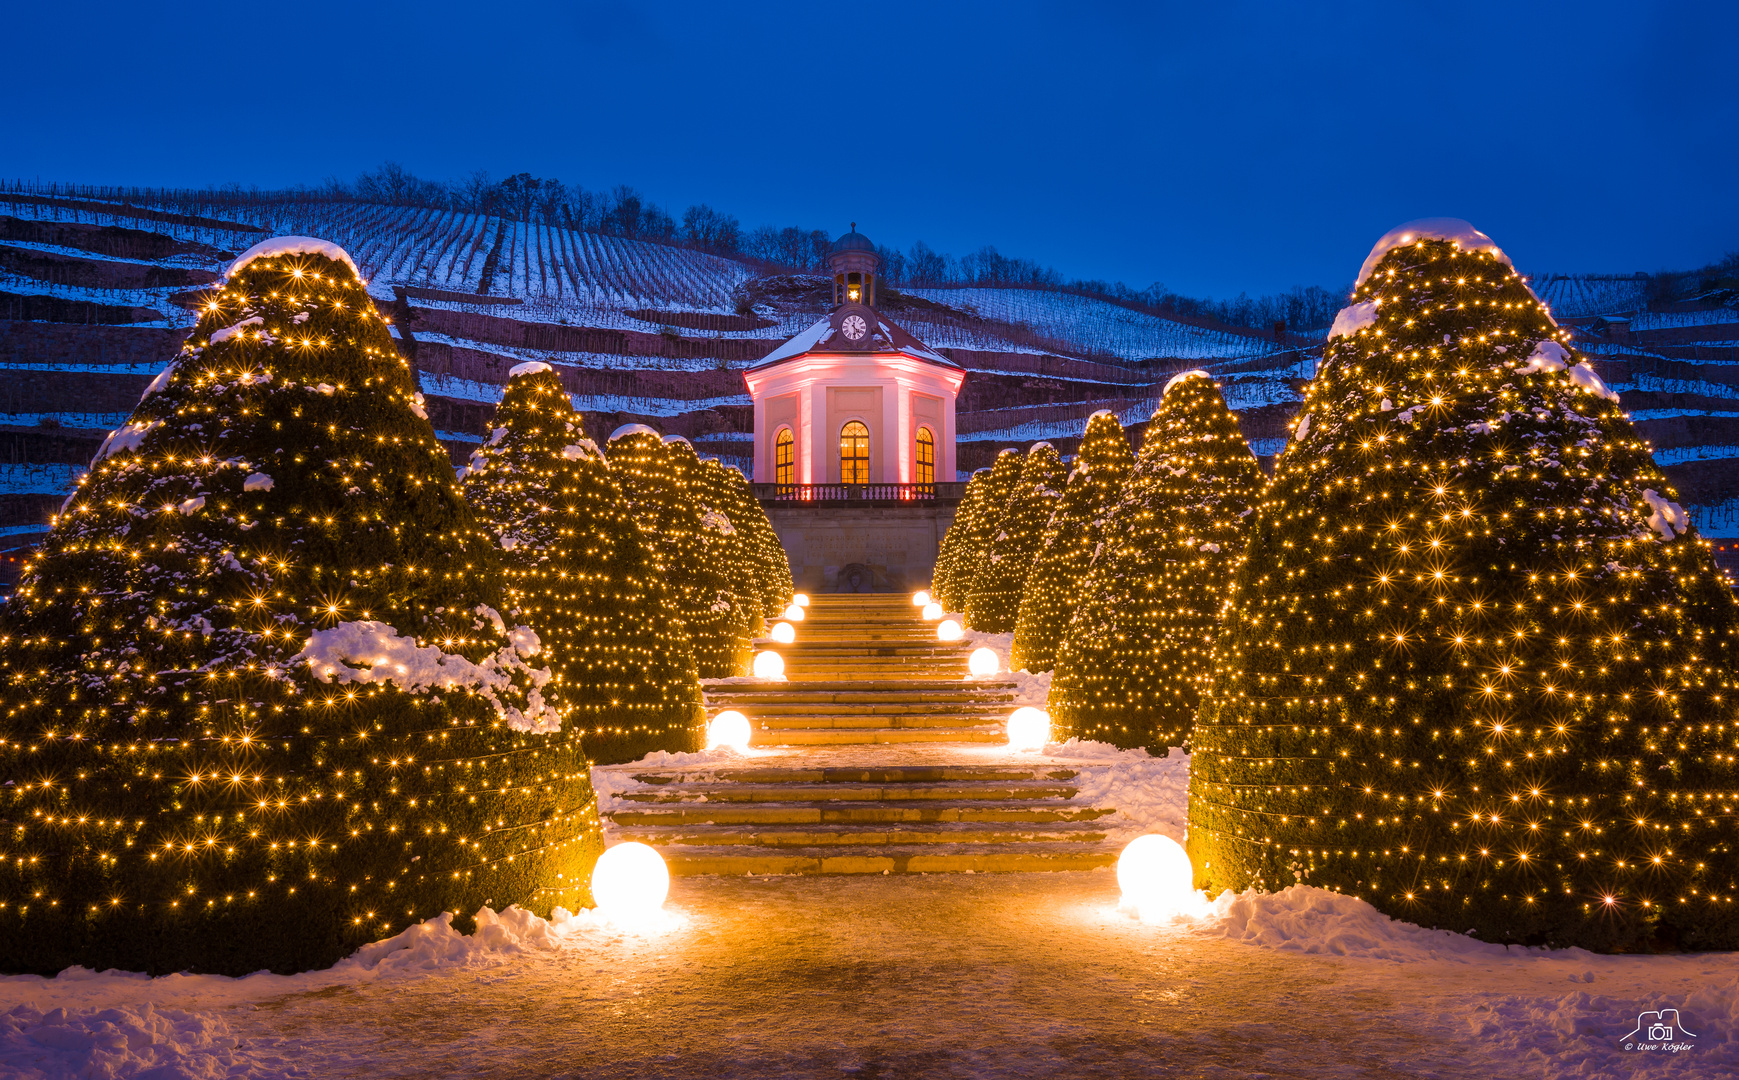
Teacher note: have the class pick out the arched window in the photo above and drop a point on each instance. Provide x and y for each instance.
(784, 457)
(854, 467)
(924, 471)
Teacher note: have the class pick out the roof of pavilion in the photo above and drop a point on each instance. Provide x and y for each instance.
(888, 339)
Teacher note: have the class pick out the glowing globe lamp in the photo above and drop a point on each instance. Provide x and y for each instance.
(630, 882)
(800, 599)
(983, 662)
(932, 611)
(794, 613)
(784, 633)
(729, 728)
(1028, 728)
(920, 598)
(769, 665)
(948, 630)
(1156, 877)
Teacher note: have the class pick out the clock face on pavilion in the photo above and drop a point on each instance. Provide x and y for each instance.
(854, 327)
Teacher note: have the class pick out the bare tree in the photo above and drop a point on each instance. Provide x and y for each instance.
(710, 230)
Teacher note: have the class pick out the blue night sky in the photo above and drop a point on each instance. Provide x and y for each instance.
(1215, 146)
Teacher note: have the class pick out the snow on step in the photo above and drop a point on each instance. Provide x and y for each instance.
(866, 681)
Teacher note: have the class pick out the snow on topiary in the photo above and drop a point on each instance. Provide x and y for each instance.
(663, 487)
(578, 569)
(994, 602)
(1465, 675)
(1133, 665)
(260, 706)
(1071, 537)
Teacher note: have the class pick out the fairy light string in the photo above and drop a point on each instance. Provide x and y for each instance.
(182, 787)
(664, 487)
(956, 543)
(1477, 666)
(1136, 657)
(985, 523)
(1053, 587)
(577, 568)
(766, 571)
(1000, 579)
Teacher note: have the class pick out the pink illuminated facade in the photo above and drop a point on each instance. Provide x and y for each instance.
(855, 398)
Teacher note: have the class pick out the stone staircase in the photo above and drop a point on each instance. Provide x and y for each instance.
(874, 757)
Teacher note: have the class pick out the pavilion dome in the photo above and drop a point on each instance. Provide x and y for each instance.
(853, 241)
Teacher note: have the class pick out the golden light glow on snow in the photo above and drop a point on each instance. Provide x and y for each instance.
(1156, 878)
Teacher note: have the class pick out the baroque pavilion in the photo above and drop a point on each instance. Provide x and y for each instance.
(854, 399)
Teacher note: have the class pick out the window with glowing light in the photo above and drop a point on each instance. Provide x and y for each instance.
(784, 457)
(854, 461)
(924, 462)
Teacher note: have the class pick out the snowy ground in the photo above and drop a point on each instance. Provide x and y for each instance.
(981, 975)
(949, 975)
(925, 975)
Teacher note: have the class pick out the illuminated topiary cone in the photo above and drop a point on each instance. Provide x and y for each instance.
(1478, 667)
(662, 488)
(997, 587)
(772, 568)
(1053, 587)
(729, 532)
(579, 572)
(722, 544)
(260, 708)
(1135, 661)
(955, 541)
(985, 523)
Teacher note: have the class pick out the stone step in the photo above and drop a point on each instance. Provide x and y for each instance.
(838, 619)
(860, 629)
(931, 650)
(800, 673)
(862, 671)
(826, 722)
(889, 699)
(693, 793)
(866, 666)
(872, 656)
(876, 736)
(862, 686)
(855, 774)
(858, 813)
(968, 706)
(690, 861)
(866, 835)
(870, 665)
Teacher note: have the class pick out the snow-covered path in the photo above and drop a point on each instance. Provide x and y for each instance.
(950, 975)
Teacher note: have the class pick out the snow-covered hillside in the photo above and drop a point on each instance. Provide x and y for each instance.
(1100, 327)
(94, 293)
